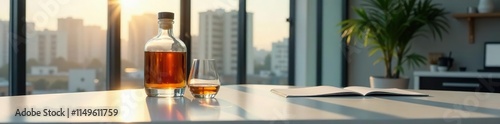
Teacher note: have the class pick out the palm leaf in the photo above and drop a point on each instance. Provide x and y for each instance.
(388, 26)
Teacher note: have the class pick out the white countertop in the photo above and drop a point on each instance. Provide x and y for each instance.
(256, 104)
(457, 74)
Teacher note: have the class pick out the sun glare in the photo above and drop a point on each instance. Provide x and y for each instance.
(129, 3)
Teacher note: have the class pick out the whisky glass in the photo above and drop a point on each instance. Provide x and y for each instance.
(203, 79)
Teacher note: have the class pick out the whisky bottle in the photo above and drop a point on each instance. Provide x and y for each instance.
(165, 61)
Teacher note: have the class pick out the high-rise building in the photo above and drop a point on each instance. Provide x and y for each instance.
(47, 45)
(94, 46)
(260, 56)
(141, 29)
(74, 30)
(279, 58)
(4, 39)
(194, 47)
(124, 50)
(218, 39)
(80, 80)
(4, 42)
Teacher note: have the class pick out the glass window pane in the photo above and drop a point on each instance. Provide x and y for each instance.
(138, 25)
(66, 45)
(4, 43)
(267, 58)
(214, 31)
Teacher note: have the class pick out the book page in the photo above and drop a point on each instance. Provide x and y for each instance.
(313, 91)
(390, 91)
(361, 90)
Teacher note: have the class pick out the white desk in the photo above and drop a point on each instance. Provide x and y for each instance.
(255, 104)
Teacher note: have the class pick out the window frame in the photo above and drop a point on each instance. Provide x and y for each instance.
(17, 48)
(113, 47)
(17, 44)
(241, 75)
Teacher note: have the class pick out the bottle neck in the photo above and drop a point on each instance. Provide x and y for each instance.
(166, 27)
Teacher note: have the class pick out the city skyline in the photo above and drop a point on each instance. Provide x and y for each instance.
(65, 36)
(220, 28)
(273, 12)
(92, 34)
(46, 45)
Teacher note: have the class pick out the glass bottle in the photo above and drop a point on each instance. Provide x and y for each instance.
(165, 61)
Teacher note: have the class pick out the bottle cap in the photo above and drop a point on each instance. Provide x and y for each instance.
(165, 15)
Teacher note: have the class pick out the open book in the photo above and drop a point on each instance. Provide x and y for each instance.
(334, 91)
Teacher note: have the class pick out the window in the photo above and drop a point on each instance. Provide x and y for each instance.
(139, 23)
(4, 45)
(66, 42)
(222, 12)
(267, 41)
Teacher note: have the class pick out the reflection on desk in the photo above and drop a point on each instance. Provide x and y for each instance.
(181, 109)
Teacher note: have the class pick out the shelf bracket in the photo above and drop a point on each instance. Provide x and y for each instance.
(470, 17)
(472, 31)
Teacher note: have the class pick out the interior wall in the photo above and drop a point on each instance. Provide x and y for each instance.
(456, 41)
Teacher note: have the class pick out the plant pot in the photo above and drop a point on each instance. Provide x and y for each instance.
(382, 82)
(433, 68)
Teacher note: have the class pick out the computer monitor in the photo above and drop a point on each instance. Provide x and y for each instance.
(492, 56)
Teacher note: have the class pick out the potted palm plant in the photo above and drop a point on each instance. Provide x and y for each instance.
(388, 27)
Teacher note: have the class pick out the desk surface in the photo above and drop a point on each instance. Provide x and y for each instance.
(256, 104)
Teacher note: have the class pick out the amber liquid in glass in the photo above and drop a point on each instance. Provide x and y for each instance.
(204, 89)
(165, 70)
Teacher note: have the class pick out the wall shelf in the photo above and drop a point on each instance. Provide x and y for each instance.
(470, 19)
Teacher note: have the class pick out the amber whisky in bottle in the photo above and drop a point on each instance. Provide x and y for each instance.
(165, 61)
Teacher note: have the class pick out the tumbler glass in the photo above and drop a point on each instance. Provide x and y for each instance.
(203, 79)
